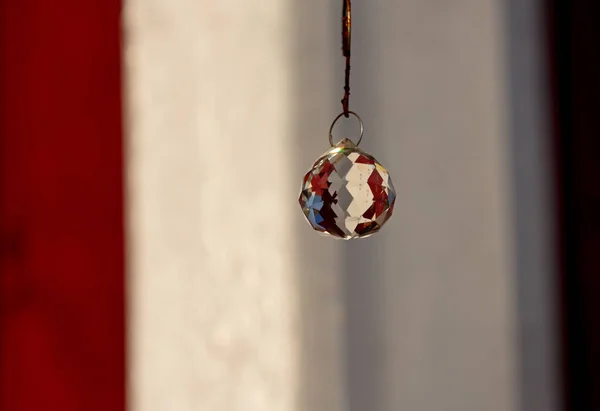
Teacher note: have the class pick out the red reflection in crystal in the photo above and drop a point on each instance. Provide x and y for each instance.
(305, 179)
(366, 228)
(375, 181)
(370, 212)
(319, 182)
(381, 205)
(327, 210)
(364, 160)
(380, 197)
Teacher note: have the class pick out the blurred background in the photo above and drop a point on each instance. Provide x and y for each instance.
(153, 253)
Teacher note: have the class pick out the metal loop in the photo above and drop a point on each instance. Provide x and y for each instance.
(346, 28)
(362, 127)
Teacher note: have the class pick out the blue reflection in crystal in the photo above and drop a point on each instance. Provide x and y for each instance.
(315, 218)
(315, 202)
(391, 196)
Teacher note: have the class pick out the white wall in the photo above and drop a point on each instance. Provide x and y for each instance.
(235, 303)
(213, 313)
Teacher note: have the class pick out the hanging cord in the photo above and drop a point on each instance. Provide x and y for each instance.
(346, 43)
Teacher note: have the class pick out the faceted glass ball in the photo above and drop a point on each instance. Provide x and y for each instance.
(347, 194)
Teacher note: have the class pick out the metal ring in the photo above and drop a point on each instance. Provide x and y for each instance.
(362, 127)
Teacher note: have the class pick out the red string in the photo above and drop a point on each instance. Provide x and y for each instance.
(346, 43)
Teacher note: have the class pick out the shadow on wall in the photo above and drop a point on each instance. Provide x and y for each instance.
(423, 315)
(338, 281)
(320, 298)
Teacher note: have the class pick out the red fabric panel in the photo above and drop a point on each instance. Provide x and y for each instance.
(62, 299)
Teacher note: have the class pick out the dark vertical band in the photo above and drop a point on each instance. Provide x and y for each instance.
(574, 38)
(62, 316)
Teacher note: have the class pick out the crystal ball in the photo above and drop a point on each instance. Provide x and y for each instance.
(347, 194)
